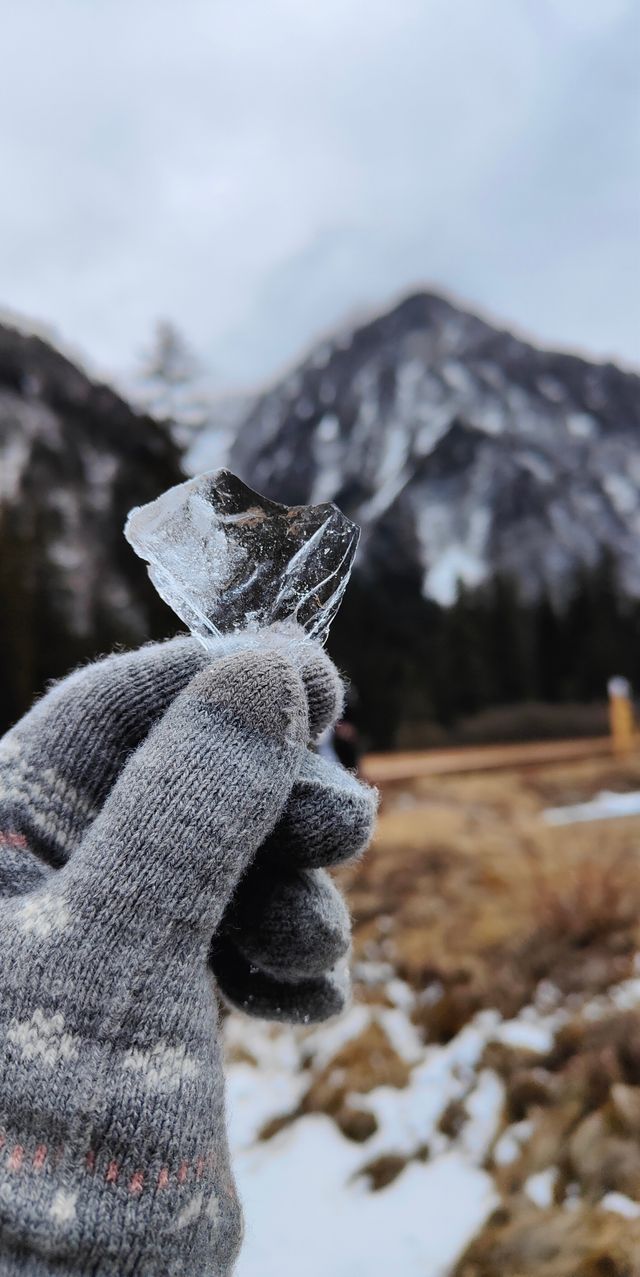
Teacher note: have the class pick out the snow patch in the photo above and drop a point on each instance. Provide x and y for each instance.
(530, 1035)
(539, 1188)
(308, 1206)
(581, 425)
(605, 806)
(622, 493)
(306, 1213)
(619, 1204)
(510, 1144)
(456, 564)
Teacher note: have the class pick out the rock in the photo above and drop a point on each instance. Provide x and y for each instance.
(357, 1124)
(625, 1103)
(383, 1170)
(601, 1159)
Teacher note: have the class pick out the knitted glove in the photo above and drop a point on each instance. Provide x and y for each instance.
(130, 816)
(60, 762)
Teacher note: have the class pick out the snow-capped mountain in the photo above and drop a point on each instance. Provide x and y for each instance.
(461, 449)
(74, 458)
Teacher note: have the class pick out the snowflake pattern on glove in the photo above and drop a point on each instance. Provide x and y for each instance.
(43, 1037)
(164, 1067)
(43, 914)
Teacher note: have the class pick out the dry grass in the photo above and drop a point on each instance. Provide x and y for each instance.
(476, 903)
(363, 1063)
(554, 1243)
(467, 887)
(583, 1100)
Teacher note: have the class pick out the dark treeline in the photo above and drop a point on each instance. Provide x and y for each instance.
(413, 663)
(74, 458)
(420, 672)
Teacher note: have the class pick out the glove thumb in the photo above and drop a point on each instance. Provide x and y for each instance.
(195, 801)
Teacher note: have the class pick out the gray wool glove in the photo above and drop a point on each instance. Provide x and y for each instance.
(161, 815)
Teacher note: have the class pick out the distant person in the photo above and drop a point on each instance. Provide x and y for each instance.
(342, 741)
(162, 820)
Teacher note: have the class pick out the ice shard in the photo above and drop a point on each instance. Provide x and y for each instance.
(225, 558)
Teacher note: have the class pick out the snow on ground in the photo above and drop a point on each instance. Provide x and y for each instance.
(307, 1209)
(310, 1210)
(304, 1216)
(621, 1205)
(539, 1188)
(605, 806)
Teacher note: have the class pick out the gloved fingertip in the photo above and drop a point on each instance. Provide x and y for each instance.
(310, 1001)
(262, 689)
(322, 683)
(293, 925)
(324, 688)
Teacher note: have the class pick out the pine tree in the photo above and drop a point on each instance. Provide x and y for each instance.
(509, 640)
(549, 650)
(170, 379)
(464, 648)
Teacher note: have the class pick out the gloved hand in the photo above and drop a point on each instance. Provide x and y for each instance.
(149, 805)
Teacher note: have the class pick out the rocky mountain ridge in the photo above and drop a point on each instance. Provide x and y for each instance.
(459, 447)
(466, 454)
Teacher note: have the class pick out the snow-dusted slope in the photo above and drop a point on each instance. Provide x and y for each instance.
(73, 459)
(459, 446)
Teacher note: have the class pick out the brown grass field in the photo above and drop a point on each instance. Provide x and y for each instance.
(467, 889)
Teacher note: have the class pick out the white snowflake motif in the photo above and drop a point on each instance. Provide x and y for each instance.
(194, 1209)
(213, 1209)
(190, 1213)
(7, 1194)
(43, 914)
(63, 1207)
(43, 1036)
(163, 1067)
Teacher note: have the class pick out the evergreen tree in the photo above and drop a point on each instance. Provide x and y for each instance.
(467, 675)
(549, 650)
(510, 653)
(597, 638)
(169, 381)
(18, 642)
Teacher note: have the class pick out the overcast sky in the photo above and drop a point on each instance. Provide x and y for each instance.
(259, 170)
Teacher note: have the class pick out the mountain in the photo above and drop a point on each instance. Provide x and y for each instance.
(467, 455)
(498, 489)
(73, 459)
(461, 449)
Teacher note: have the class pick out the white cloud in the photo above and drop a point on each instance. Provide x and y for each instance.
(253, 171)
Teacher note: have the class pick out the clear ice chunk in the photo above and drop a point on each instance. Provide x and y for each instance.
(226, 559)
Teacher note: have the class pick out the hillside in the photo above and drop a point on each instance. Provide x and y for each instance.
(73, 459)
(470, 448)
(468, 456)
